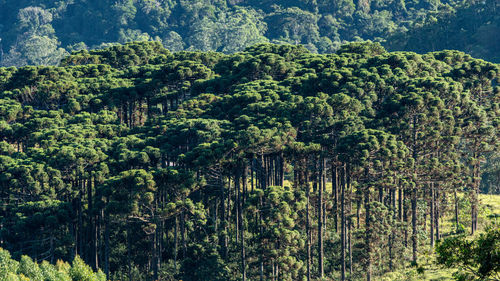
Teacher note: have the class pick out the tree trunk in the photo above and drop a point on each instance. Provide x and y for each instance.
(223, 238)
(474, 196)
(342, 222)
(368, 231)
(432, 221)
(308, 230)
(335, 197)
(414, 224)
(236, 206)
(252, 169)
(414, 193)
(106, 241)
(154, 251)
(80, 231)
(129, 255)
(282, 169)
(241, 200)
(456, 210)
(183, 234)
(400, 203)
(324, 171)
(437, 215)
(320, 220)
(261, 258)
(176, 242)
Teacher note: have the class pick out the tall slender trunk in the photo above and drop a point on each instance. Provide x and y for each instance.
(155, 256)
(183, 234)
(176, 242)
(349, 245)
(342, 222)
(252, 169)
(400, 202)
(437, 215)
(349, 222)
(358, 209)
(335, 197)
(432, 221)
(106, 240)
(241, 200)
(80, 224)
(236, 207)
(474, 196)
(414, 194)
(406, 194)
(261, 258)
(414, 224)
(129, 254)
(456, 209)
(320, 220)
(51, 250)
(94, 259)
(368, 231)
(263, 172)
(308, 230)
(394, 220)
(391, 253)
(426, 212)
(325, 199)
(282, 169)
(223, 239)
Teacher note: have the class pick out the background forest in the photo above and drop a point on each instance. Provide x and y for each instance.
(273, 163)
(38, 32)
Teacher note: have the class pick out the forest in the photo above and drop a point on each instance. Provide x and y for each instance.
(274, 163)
(42, 32)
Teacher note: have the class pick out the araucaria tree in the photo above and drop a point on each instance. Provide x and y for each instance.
(269, 164)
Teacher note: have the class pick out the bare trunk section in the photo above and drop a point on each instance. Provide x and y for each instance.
(320, 220)
(342, 222)
(432, 221)
(368, 231)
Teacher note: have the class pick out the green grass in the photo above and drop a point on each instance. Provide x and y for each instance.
(491, 205)
(427, 269)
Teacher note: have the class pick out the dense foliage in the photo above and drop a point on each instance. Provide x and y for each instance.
(272, 163)
(42, 32)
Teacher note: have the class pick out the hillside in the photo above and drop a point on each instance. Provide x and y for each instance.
(472, 28)
(41, 32)
(273, 162)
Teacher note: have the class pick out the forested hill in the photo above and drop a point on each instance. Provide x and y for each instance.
(472, 28)
(269, 162)
(39, 32)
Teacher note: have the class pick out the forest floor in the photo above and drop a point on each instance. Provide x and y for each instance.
(427, 269)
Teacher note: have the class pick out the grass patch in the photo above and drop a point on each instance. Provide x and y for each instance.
(428, 270)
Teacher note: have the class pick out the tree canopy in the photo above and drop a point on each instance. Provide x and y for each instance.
(270, 163)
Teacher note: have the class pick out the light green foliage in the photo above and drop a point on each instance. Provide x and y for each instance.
(27, 269)
(36, 43)
(81, 272)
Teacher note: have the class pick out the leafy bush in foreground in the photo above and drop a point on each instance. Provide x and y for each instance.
(27, 269)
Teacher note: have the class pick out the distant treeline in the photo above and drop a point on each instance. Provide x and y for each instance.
(42, 32)
(269, 164)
